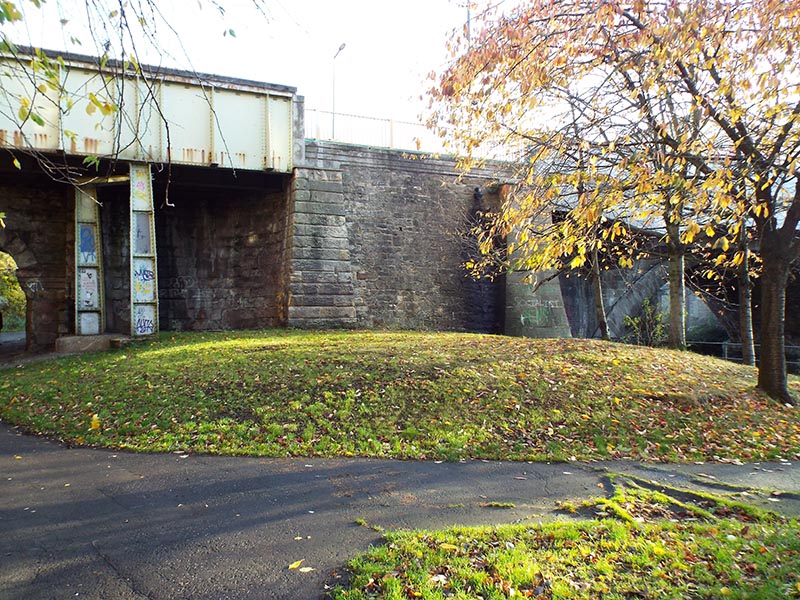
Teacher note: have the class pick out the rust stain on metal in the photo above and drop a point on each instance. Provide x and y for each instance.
(3, 134)
(91, 145)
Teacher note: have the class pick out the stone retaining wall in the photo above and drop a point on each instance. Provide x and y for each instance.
(378, 243)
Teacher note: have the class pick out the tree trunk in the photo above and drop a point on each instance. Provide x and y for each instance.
(746, 303)
(599, 306)
(677, 288)
(772, 359)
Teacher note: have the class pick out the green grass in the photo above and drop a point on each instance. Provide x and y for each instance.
(651, 545)
(404, 395)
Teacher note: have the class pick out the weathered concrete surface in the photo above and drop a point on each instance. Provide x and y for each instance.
(101, 524)
(74, 344)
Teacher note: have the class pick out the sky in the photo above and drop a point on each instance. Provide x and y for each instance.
(390, 45)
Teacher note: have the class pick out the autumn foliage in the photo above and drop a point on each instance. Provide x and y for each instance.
(675, 117)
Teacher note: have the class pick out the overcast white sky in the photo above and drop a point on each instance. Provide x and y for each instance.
(391, 45)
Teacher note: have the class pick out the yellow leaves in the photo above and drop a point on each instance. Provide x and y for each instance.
(95, 104)
(617, 230)
(592, 213)
(577, 262)
(24, 108)
(448, 547)
(692, 229)
(95, 424)
(296, 566)
(761, 210)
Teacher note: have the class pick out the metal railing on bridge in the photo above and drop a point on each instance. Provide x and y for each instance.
(369, 131)
(325, 125)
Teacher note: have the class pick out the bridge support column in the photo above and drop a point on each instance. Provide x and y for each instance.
(144, 268)
(321, 280)
(89, 284)
(540, 314)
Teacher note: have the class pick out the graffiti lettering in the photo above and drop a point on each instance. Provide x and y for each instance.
(537, 317)
(180, 282)
(145, 326)
(144, 275)
(537, 303)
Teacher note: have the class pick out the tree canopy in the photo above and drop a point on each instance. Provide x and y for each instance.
(634, 115)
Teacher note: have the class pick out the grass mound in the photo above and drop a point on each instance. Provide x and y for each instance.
(403, 395)
(637, 549)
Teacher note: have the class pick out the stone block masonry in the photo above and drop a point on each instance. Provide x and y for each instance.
(39, 236)
(321, 292)
(377, 242)
(221, 258)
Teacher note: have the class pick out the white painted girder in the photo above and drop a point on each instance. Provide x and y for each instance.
(157, 118)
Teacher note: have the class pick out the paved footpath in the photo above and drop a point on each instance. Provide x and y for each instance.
(98, 524)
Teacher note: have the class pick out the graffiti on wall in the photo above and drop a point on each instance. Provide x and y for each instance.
(89, 295)
(144, 320)
(144, 279)
(539, 313)
(87, 244)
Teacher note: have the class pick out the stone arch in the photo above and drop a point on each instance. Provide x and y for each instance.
(12, 244)
(41, 326)
(645, 283)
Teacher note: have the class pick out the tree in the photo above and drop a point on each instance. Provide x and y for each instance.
(730, 61)
(10, 294)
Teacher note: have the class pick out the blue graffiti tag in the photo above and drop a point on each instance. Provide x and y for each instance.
(144, 326)
(87, 244)
(144, 274)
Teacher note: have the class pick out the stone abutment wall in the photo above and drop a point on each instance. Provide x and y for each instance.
(39, 236)
(378, 242)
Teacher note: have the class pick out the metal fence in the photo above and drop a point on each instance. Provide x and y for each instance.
(369, 131)
(732, 351)
(390, 133)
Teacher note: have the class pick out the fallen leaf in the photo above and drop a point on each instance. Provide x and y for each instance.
(306, 569)
(296, 563)
(446, 546)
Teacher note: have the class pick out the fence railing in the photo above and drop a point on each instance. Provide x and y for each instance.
(732, 351)
(390, 133)
(369, 131)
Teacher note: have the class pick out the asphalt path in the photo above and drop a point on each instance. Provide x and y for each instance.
(100, 524)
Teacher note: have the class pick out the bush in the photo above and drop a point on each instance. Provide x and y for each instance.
(14, 312)
(648, 328)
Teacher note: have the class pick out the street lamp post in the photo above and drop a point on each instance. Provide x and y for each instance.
(333, 94)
